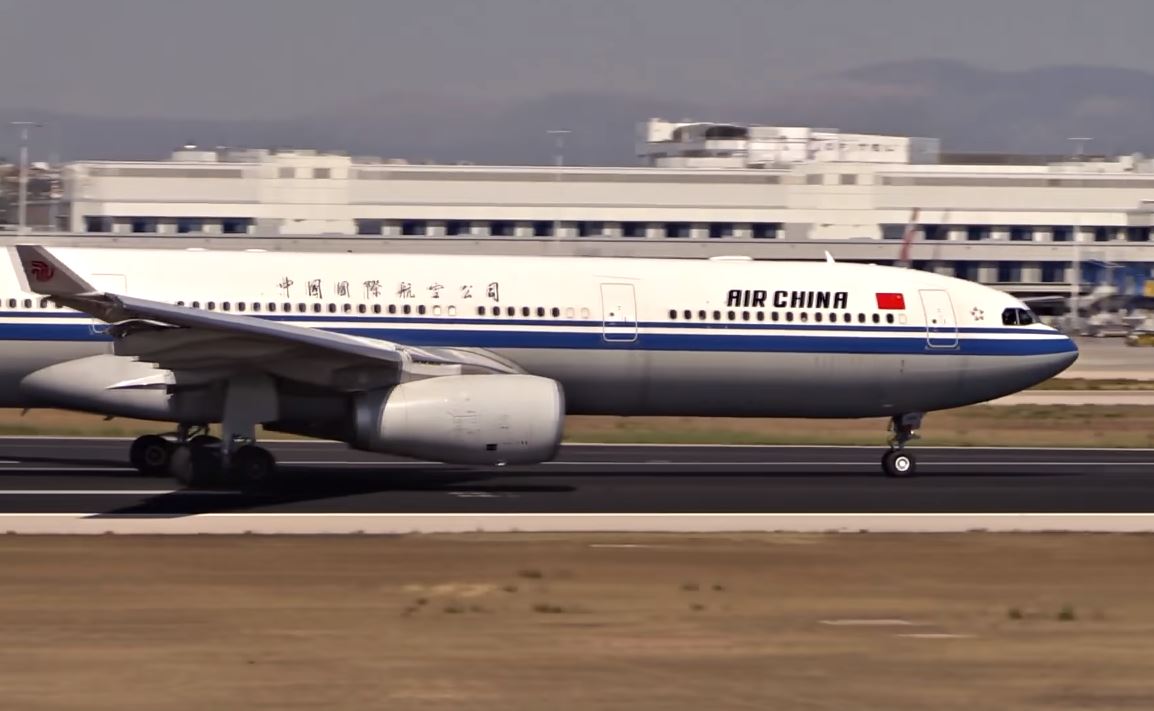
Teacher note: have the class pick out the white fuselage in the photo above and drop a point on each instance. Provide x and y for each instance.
(622, 336)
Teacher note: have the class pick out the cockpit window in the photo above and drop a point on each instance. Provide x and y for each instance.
(1018, 317)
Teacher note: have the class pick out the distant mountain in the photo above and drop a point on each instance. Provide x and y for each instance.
(969, 108)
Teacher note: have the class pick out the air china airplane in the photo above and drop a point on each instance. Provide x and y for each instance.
(476, 359)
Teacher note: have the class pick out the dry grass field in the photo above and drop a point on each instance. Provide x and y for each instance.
(591, 622)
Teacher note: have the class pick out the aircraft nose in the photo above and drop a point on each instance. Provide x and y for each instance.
(1062, 358)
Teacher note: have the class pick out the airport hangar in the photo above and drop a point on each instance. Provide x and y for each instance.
(1032, 225)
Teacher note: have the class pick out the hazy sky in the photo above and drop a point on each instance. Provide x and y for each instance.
(261, 58)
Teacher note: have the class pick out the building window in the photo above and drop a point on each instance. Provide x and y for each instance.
(1103, 234)
(590, 229)
(322, 173)
(1062, 234)
(677, 230)
(633, 229)
(813, 179)
(765, 230)
(848, 179)
(977, 233)
(97, 223)
(188, 225)
(454, 228)
(965, 270)
(501, 228)
(935, 233)
(235, 225)
(542, 229)
(1137, 234)
(143, 224)
(370, 227)
(1009, 272)
(1053, 272)
(414, 228)
(720, 230)
(1021, 234)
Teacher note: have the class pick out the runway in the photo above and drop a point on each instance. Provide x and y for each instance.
(91, 477)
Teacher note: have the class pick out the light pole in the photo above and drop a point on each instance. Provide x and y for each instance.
(559, 135)
(22, 212)
(1076, 263)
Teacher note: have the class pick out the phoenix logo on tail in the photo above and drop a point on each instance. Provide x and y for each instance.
(41, 270)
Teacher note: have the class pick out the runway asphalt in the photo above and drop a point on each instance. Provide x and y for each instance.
(91, 476)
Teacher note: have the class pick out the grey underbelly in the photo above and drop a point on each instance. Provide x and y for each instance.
(771, 384)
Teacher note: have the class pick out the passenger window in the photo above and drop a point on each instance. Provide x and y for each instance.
(180, 303)
(789, 316)
(569, 313)
(584, 313)
(760, 315)
(687, 314)
(452, 310)
(877, 319)
(804, 317)
(701, 315)
(421, 310)
(44, 303)
(889, 318)
(525, 311)
(392, 308)
(817, 317)
(27, 303)
(240, 306)
(833, 318)
(716, 315)
(436, 310)
(361, 309)
(407, 309)
(211, 306)
(672, 314)
(861, 318)
(376, 308)
(11, 303)
(480, 310)
(556, 312)
(511, 311)
(332, 308)
(317, 308)
(540, 312)
(347, 308)
(744, 315)
(196, 304)
(731, 315)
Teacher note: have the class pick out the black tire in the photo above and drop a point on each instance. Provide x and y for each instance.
(899, 463)
(195, 468)
(252, 467)
(150, 455)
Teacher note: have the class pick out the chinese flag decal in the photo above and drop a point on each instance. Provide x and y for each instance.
(891, 301)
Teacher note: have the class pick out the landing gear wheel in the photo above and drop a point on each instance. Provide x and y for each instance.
(899, 463)
(150, 455)
(194, 468)
(252, 466)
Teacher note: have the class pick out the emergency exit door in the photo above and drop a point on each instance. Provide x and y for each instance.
(619, 313)
(941, 326)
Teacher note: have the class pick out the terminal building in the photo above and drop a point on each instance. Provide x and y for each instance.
(1030, 224)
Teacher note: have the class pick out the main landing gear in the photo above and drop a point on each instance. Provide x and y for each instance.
(897, 462)
(198, 460)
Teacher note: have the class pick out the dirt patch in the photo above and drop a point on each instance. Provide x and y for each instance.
(578, 622)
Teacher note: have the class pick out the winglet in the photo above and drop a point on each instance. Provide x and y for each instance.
(828, 257)
(42, 273)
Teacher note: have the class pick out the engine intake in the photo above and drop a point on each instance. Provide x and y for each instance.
(464, 419)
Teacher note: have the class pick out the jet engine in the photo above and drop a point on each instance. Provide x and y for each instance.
(464, 419)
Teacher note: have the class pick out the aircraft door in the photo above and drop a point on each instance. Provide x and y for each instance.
(619, 313)
(941, 325)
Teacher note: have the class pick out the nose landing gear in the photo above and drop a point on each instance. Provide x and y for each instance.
(897, 462)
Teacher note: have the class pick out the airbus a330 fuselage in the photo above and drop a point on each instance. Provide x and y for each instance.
(727, 337)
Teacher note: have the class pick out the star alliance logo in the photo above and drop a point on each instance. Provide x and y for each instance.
(978, 314)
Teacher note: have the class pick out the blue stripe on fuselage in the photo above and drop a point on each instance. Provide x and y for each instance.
(588, 335)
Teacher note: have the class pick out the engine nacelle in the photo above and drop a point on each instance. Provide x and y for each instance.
(464, 419)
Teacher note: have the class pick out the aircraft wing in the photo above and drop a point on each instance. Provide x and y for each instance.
(187, 339)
